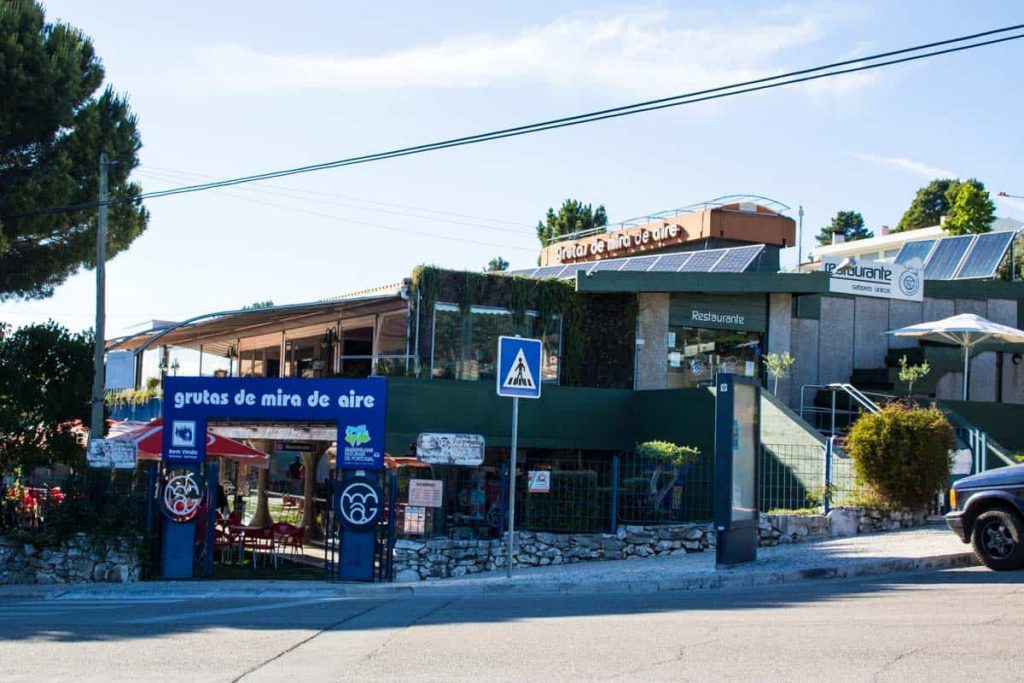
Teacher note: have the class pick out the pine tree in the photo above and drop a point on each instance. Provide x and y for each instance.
(850, 224)
(574, 216)
(53, 127)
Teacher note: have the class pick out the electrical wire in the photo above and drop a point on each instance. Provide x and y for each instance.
(334, 195)
(755, 85)
(392, 228)
(447, 221)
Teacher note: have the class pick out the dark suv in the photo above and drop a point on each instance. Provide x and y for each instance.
(987, 511)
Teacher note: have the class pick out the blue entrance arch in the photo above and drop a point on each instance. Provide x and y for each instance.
(357, 406)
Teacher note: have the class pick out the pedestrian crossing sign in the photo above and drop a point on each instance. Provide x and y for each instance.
(519, 362)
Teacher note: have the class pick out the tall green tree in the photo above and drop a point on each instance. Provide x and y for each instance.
(573, 216)
(496, 265)
(930, 204)
(849, 224)
(973, 210)
(45, 382)
(53, 127)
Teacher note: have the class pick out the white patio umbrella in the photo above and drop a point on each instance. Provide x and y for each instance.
(966, 330)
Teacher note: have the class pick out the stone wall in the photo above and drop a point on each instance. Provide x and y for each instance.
(76, 561)
(443, 558)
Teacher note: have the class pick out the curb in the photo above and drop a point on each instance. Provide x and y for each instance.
(724, 579)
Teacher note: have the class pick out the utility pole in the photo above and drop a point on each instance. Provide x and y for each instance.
(96, 424)
(799, 237)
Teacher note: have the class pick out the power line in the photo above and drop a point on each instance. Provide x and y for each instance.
(335, 195)
(409, 231)
(755, 85)
(292, 195)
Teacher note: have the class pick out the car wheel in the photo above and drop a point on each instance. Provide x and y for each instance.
(996, 538)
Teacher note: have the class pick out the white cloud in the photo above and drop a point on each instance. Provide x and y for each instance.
(908, 165)
(640, 51)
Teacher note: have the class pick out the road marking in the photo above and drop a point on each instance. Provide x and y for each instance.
(229, 610)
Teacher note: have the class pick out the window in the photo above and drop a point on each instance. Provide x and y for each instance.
(265, 362)
(695, 354)
(466, 345)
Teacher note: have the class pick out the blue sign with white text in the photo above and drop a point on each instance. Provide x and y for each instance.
(519, 363)
(357, 406)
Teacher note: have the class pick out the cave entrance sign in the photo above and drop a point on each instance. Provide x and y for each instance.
(357, 406)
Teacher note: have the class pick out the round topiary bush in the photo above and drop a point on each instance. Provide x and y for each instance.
(902, 453)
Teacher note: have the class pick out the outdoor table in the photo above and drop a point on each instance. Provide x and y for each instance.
(244, 531)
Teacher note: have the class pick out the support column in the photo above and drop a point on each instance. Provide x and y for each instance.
(261, 517)
(652, 341)
(311, 461)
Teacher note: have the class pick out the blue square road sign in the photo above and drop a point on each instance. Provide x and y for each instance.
(519, 362)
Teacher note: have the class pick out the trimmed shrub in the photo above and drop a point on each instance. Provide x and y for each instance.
(902, 453)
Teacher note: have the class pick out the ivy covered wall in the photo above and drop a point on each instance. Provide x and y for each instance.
(598, 330)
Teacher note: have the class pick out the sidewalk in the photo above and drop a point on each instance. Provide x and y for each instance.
(865, 555)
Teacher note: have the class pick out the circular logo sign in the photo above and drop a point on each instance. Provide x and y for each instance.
(183, 495)
(359, 504)
(909, 283)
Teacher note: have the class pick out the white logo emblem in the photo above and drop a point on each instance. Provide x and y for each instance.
(183, 494)
(519, 375)
(359, 504)
(183, 434)
(909, 283)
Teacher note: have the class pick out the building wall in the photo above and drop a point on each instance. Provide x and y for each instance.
(780, 338)
(840, 334)
(652, 331)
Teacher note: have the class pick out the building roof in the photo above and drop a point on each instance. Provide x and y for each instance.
(895, 240)
(218, 332)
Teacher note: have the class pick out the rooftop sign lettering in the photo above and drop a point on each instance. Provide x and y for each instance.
(614, 243)
(883, 280)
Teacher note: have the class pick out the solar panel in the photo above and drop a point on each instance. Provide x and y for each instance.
(702, 261)
(985, 255)
(670, 262)
(571, 270)
(548, 271)
(523, 273)
(638, 263)
(914, 250)
(737, 260)
(610, 264)
(946, 256)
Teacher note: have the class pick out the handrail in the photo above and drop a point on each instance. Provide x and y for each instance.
(859, 396)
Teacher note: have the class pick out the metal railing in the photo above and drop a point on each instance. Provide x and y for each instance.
(835, 419)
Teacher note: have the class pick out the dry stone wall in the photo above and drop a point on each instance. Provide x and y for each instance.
(76, 561)
(443, 558)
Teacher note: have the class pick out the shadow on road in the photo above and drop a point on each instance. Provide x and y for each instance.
(80, 620)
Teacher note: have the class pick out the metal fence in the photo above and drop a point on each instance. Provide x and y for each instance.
(102, 503)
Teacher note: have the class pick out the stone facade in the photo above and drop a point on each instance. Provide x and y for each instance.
(443, 558)
(76, 561)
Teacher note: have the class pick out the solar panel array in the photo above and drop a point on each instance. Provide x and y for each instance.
(965, 257)
(733, 260)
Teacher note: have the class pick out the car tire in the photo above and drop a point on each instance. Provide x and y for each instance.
(998, 540)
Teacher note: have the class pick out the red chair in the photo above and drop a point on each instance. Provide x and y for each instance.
(289, 536)
(225, 543)
(259, 541)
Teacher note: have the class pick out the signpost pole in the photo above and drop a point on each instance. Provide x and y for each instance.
(512, 486)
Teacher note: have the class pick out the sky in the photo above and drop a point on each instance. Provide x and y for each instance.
(233, 88)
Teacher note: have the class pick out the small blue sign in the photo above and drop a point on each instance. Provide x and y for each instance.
(357, 406)
(519, 363)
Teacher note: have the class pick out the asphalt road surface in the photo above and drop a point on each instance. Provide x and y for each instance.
(957, 625)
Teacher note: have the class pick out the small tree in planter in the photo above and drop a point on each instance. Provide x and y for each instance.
(902, 453)
(911, 373)
(778, 365)
(669, 459)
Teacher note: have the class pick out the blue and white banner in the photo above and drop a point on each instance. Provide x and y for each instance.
(357, 406)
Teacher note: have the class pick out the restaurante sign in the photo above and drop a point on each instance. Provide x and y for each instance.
(883, 279)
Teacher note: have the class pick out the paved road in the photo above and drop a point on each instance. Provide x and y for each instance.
(956, 625)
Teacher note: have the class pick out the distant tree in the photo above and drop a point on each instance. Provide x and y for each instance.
(573, 216)
(258, 305)
(973, 210)
(53, 127)
(778, 365)
(496, 265)
(930, 204)
(1005, 271)
(850, 224)
(45, 382)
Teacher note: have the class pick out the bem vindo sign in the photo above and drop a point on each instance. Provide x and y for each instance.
(357, 406)
(885, 280)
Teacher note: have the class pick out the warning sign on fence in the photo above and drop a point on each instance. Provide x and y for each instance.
(540, 481)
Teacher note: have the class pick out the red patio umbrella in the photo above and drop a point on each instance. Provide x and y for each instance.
(149, 439)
